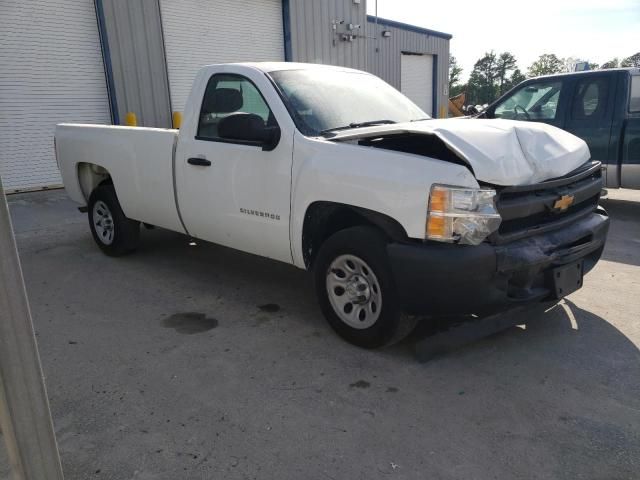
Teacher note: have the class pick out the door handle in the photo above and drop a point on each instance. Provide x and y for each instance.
(201, 162)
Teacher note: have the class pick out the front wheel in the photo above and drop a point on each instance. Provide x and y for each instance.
(114, 233)
(356, 291)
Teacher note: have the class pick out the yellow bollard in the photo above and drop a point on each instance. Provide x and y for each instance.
(177, 119)
(443, 112)
(130, 119)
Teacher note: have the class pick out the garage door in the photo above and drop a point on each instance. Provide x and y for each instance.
(416, 80)
(202, 32)
(51, 71)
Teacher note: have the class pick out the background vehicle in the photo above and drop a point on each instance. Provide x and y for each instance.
(601, 106)
(335, 171)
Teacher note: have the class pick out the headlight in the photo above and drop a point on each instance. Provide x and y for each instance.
(461, 215)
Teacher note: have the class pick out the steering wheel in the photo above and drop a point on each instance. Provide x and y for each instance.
(526, 114)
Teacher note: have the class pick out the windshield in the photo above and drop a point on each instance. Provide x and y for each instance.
(320, 101)
(538, 101)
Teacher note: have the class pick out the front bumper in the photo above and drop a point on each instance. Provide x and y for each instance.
(441, 279)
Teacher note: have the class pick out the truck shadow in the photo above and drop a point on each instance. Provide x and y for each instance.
(225, 272)
(566, 333)
(563, 387)
(623, 243)
(567, 378)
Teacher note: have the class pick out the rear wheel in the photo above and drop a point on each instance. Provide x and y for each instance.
(356, 291)
(114, 233)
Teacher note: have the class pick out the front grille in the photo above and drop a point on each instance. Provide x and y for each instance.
(529, 210)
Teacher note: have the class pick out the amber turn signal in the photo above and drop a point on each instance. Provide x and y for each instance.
(436, 226)
(439, 200)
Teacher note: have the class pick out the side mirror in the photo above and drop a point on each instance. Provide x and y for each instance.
(270, 137)
(249, 128)
(483, 113)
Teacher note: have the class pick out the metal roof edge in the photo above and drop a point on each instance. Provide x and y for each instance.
(406, 26)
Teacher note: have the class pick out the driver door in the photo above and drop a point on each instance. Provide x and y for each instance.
(232, 189)
(539, 101)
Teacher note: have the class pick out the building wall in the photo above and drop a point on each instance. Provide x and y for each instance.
(88, 60)
(204, 32)
(384, 55)
(139, 40)
(136, 48)
(317, 27)
(51, 71)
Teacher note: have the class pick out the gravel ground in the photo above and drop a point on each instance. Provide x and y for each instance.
(199, 362)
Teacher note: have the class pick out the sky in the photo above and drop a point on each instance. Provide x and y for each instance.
(592, 30)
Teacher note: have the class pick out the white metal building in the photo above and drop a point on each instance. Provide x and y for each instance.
(91, 61)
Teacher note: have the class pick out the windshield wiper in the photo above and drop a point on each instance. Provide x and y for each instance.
(421, 119)
(370, 123)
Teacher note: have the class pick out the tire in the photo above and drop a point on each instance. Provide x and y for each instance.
(114, 233)
(346, 261)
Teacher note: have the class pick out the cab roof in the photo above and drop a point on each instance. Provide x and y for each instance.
(268, 67)
(631, 70)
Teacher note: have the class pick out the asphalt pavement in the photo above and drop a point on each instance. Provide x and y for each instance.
(199, 362)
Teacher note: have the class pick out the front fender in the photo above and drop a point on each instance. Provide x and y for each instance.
(391, 183)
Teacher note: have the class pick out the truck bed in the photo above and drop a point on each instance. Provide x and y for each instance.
(139, 160)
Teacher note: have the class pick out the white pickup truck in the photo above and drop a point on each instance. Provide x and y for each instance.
(398, 215)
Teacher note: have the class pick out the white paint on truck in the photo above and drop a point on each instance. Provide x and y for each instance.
(299, 171)
(333, 170)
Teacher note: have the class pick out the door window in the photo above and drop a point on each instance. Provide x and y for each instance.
(590, 100)
(536, 101)
(232, 109)
(634, 100)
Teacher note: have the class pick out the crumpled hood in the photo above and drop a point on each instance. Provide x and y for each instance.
(501, 152)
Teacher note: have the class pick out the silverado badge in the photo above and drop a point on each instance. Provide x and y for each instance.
(564, 202)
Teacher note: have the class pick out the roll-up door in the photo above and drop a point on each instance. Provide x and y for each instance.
(204, 32)
(416, 80)
(51, 71)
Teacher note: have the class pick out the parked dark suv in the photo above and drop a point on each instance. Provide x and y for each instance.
(601, 106)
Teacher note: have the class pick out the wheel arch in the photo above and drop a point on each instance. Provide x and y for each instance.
(90, 176)
(323, 218)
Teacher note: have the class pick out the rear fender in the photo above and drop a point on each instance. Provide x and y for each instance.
(90, 176)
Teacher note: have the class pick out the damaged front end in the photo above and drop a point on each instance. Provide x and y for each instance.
(497, 152)
(550, 235)
(526, 234)
(548, 225)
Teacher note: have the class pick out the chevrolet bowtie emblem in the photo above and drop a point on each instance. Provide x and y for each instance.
(564, 202)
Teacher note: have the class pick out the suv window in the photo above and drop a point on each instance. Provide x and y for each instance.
(229, 95)
(536, 101)
(634, 100)
(590, 100)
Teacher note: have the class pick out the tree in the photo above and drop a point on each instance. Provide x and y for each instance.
(455, 71)
(492, 75)
(632, 61)
(516, 77)
(505, 64)
(546, 64)
(482, 86)
(613, 63)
